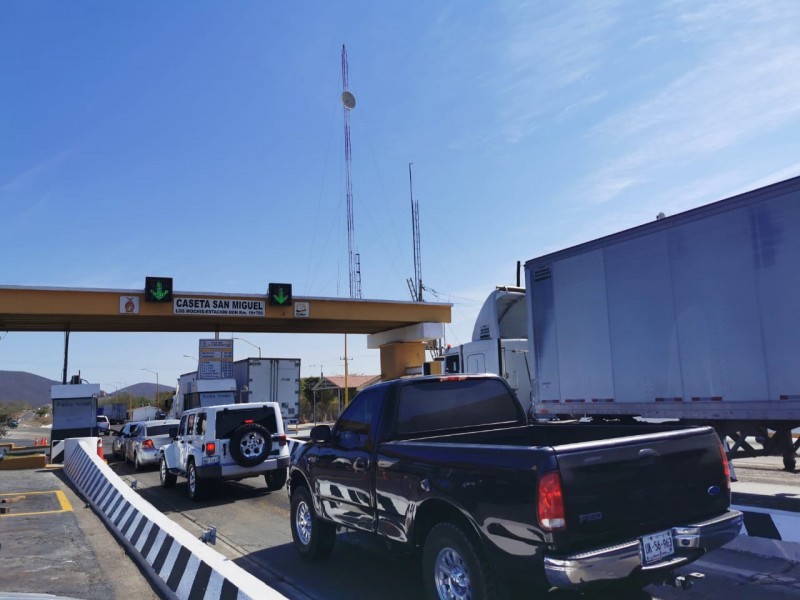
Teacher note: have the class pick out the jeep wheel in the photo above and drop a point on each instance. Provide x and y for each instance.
(250, 444)
(194, 484)
(167, 479)
(275, 479)
(313, 538)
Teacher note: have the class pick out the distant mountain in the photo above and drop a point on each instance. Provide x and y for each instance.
(19, 386)
(137, 390)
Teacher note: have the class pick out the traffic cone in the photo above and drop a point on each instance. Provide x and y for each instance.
(100, 449)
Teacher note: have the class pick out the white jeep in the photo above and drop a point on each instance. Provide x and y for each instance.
(232, 441)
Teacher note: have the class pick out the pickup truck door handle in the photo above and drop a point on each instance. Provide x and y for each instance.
(360, 464)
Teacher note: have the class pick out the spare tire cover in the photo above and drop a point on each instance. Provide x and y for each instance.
(251, 443)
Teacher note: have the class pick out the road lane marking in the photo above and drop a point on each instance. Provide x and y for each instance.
(60, 496)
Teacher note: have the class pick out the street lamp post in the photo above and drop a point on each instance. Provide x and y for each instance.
(251, 343)
(156, 374)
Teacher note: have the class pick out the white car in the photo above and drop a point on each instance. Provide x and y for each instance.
(231, 441)
(120, 439)
(103, 425)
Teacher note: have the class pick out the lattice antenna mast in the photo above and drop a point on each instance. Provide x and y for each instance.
(349, 103)
(416, 293)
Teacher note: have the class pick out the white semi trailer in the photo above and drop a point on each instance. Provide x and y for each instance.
(691, 317)
(254, 380)
(271, 380)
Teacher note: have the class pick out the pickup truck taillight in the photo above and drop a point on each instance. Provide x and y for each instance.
(550, 502)
(726, 468)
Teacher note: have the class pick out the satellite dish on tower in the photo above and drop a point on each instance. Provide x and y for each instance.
(348, 100)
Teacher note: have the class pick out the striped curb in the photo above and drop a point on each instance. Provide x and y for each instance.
(181, 565)
(294, 446)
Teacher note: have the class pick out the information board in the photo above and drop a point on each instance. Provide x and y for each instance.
(215, 359)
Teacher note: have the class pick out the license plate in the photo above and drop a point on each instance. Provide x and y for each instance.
(211, 460)
(657, 546)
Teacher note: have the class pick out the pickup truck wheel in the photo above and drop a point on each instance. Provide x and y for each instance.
(194, 484)
(275, 479)
(167, 479)
(453, 567)
(250, 444)
(313, 538)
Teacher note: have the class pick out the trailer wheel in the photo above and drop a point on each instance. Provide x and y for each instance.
(453, 566)
(250, 444)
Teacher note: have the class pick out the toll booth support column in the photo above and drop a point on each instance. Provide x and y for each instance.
(401, 358)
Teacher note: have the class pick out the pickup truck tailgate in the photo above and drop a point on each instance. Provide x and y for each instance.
(620, 488)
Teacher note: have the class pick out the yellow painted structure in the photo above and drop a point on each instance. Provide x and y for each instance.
(100, 310)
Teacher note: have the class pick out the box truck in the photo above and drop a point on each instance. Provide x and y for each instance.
(144, 413)
(192, 392)
(270, 380)
(116, 412)
(691, 317)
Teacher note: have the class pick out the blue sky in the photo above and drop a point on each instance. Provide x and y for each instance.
(203, 141)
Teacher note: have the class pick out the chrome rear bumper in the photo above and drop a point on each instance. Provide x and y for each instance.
(622, 560)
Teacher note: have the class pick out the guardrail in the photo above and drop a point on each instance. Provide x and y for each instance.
(179, 564)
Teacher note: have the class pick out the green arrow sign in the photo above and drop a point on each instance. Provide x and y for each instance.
(158, 289)
(280, 294)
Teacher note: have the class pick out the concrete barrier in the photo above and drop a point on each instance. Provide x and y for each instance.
(179, 564)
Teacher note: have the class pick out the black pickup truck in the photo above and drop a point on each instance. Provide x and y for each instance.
(451, 465)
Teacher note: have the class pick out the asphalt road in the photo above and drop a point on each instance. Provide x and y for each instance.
(52, 543)
(253, 530)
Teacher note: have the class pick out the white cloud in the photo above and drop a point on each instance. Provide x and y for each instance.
(741, 86)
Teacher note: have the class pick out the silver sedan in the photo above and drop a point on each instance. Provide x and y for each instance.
(145, 439)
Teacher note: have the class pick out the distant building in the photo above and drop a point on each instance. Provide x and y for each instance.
(335, 384)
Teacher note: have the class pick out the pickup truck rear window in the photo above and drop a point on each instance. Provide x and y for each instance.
(437, 405)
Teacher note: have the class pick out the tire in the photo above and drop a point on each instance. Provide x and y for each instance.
(136, 464)
(167, 479)
(250, 444)
(454, 568)
(195, 486)
(275, 479)
(313, 538)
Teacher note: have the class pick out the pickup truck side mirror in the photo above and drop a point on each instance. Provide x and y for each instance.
(320, 433)
(173, 432)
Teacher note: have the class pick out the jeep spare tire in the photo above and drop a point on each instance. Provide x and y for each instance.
(250, 444)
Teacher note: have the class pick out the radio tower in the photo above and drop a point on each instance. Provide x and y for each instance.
(349, 103)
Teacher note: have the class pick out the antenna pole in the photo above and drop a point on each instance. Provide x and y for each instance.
(416, 293)
(355, 272)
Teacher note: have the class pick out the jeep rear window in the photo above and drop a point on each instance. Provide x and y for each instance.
(159, 429)
(440, 404)
(229, 419)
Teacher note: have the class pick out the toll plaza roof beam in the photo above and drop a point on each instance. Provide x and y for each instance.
(25, 308)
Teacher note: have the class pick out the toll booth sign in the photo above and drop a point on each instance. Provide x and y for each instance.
(158, 289)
